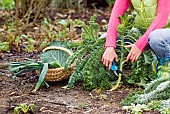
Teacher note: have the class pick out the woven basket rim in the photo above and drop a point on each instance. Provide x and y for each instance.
(51, 70)
(58, 48)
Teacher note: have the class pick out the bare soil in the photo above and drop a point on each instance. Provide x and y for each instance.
(56, 99)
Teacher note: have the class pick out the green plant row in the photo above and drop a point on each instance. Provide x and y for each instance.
(155, 90)
(155, 96)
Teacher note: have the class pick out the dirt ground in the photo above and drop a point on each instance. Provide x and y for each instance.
(55, 99)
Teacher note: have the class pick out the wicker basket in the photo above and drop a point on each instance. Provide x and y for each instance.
(59, 74)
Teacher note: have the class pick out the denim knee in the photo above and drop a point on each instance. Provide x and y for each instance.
(159, 41)
(154, 38)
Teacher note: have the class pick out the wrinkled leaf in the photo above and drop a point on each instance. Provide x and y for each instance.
(57, 57)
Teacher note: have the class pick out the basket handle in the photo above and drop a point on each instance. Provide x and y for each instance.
(58, 48)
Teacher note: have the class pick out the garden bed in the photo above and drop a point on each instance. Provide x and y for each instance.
(55, 99)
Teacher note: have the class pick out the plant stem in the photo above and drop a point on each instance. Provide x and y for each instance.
(114, 87)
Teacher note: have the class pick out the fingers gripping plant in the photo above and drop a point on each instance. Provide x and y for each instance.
(129, 33)
(124, 38)
(140, 71)
(89, 67)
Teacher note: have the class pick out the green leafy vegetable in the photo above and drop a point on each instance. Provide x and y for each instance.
(53, 58)
(89, 68)
(155, 90)
(56, 58)
(24, 108)
(4, 46)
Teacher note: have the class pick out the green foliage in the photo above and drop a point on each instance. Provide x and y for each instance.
(39, 37)
(55, 58)
(126, 24)
(136, 109)
(89, 68)
(92, 47)
(28, 66)
(141, 71)
(160, 92)
(156, 90)
(153, 84)
(110, 2)
(24, 108)
(4, 46)
(155, 96)
(130, 98)
(67, 28)
(124, 38)
(163, 106)
(7, 4)
(29, 42)
(83, 105)
(41, 76)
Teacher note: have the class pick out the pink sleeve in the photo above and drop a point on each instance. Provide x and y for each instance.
(119, 9)
(159, 22)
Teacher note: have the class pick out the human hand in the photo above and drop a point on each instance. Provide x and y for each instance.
(108, 57)
(134, 53)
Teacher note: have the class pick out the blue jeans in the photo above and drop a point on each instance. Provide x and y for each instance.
(159, 41)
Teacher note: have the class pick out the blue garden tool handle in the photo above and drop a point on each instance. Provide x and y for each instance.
(114, 66)
(115, 69)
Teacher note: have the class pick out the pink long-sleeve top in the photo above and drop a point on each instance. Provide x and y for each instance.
(120, 7)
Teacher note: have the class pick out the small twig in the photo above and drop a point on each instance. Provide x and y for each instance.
(4, 106)
(4, 65)
(39, 10)
(16, 17)
(29, 11)
(85, 7)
